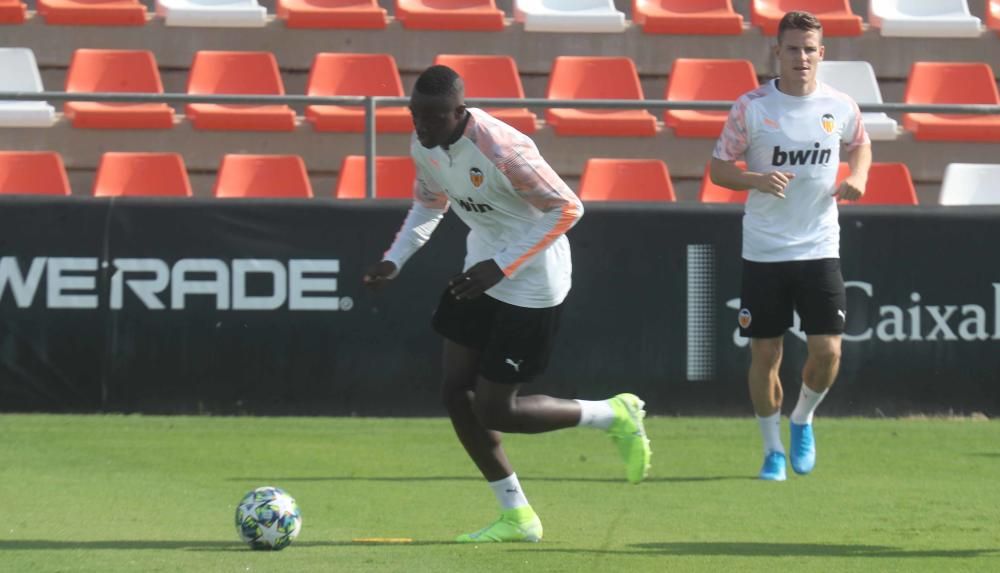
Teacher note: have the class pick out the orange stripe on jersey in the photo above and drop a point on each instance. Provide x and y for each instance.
(570, 214)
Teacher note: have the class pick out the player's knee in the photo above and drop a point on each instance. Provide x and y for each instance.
(492, 415)
(454, 397)
(827, 354)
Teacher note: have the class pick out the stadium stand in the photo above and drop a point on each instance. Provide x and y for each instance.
(32, 173)
(12, 11)
(492, 77)
(587, 16)
(857, 79)
(258, 176)
(705, 80)
(888, 184)
(712, 193)
(345, 14)
(237, 73)
(212, 13)
(116, 71)
(481, 15)
(836, 16)
(355, 74)
(923, 19)
(581, 77)
(971, 184)
(394, 176)
(952, 82)
(21, 75)
(92, 12)
(141, 175)
(626, 180)
(695, 17)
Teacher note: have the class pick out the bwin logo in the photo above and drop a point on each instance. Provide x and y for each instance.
(473, 207)
(812, 156)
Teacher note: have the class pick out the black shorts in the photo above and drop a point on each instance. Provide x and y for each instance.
(771, 292)
(515, 341)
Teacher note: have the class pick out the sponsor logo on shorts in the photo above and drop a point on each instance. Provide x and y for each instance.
(515, 365)
(744, 318)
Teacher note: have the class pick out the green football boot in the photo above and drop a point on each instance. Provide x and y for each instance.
(629, 434)
(520, 524)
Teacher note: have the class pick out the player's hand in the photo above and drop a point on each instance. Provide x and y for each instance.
(774, 183)
(480, 277)
(850, 189)
(379, 274)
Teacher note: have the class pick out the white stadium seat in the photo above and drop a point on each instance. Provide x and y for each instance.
(857, 79)
(594, 16)
(971, 184)
(212, 13)
(20, 74)
(923, 18)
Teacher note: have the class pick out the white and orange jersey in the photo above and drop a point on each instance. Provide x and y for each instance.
(516, 206)
(774, 131)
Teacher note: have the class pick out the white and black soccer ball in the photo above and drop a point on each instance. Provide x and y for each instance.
(268, 518)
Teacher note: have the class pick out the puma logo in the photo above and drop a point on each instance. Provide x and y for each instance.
(842, 315)
(516, 365)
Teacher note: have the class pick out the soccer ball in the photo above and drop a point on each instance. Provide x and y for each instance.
(268, 518)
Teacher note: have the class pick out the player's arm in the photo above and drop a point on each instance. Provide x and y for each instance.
(538, 184)
(859, 157)
(732, 145)
(429, 205)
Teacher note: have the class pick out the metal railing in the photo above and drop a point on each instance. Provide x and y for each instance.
(369, 103)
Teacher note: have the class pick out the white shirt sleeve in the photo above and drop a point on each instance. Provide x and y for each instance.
(429, 206)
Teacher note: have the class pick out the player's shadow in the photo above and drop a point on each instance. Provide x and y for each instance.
(655, 479)
(754, 549)
(193, 545)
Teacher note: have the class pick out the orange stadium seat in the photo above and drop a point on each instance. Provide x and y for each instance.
(252, 176)
(705, 80)
(703, 17)
(952, 83)
(888, 184)
(141, 175)
(712, 193)
(237, 73)
(626, 180)
(489, 77)
(393, 177)
(93, 12)
(993, 16)
(356, 75)
(482, 15)
(353, 14)
(32, 173)
(596, 77)
(12, 11)
(116, 71)
(835, 15)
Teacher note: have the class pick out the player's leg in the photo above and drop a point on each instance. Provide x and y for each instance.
(822, 303)
(466, 326)
(765, 314)
(517, 353)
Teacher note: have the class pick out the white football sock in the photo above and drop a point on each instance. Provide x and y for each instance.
(596, 414)
(508, 492)
(808, 401)
(770, 430)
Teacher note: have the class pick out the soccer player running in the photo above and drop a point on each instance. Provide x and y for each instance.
(790, 131)
(500, 315)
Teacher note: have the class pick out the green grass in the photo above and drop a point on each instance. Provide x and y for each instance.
(134, 493)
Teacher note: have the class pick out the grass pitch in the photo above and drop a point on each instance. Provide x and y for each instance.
(135, 493)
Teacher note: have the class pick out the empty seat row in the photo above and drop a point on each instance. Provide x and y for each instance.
(603, 179)
(164, 175)
(941, 18)
(571, 77)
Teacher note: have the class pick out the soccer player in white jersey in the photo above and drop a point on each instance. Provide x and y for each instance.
(790, 131)
(499, 315)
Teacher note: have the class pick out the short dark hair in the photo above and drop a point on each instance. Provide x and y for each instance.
(798, 20)
(438, 81)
